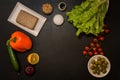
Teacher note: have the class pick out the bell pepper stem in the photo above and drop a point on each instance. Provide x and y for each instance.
(14, 39)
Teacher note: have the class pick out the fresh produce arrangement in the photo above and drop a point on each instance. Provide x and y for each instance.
(27, 19)
(98, 64)
(95, 46)
(88, 17)
(20, 42)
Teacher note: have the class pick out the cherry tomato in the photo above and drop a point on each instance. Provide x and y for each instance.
(90, 53)
(84, 52)
(97, 45)
(95, 40)
(87, 48)
(94, 49)
(95, 53)
(106, 31)
(100, 49)
(102, 53)
(92, 44)
(102, 38)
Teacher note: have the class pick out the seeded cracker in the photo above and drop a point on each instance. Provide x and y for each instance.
(26, 19)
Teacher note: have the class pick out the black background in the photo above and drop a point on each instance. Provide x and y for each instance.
(59, 49)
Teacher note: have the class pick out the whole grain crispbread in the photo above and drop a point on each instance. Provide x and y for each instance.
(26, 19)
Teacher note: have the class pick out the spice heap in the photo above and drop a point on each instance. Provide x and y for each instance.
(47, 8)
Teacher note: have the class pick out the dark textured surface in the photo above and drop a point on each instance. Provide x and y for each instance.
(58, 47)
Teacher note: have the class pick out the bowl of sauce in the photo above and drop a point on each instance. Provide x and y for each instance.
(62, 6)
